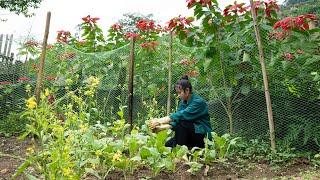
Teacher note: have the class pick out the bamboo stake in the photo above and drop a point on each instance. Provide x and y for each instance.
(265, 77)
(169, 75)
(130, 86)
(42, 58)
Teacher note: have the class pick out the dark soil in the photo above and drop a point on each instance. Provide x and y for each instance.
(12, 150)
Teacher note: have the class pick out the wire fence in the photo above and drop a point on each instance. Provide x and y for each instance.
(230, 79)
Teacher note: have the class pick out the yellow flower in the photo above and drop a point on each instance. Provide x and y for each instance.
(66, 171)
(89, 93)
(94, 82)
(46, 92)
(68, 81)
(117, 156)
(58, 130)
(30, 150)
(98, 153)
(31, 103)
(70, 138)
(83, 127)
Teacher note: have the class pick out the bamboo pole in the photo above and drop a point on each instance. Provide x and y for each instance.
(130, 85)
(42, 58)
(169, 75)
(265, 77)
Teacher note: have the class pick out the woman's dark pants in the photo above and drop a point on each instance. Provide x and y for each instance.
(185, 135)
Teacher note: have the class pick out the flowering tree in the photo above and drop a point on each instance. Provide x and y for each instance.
(227, 37)
(297, 51)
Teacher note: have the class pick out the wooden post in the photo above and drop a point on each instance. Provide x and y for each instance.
(10, 44)
(169, 74)
(130, 85)
(6, 39)
(265, 77)
(1, 40)
(42, 58)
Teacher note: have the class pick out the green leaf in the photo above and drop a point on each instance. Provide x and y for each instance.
(246, 57)
(93, 172)
(22, 168)
(181, 151)
(245, 89)
(206, 64)
(312, 60)
(145, 153)
(31, 177)
(169, 164)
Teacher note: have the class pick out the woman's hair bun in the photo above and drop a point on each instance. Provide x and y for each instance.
(185, 77)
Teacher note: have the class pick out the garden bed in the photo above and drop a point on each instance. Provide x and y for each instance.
(12, 151)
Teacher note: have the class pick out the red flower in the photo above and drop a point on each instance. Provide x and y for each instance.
(49, 46)
(67, 55)
(95, 19)
(271, 5)
(299, 51)
(187, 62)
(142, 25)
(279, 35)
(50, 78)
(31, 43)
(151, 46)
(144, 45)
(24, 78)
(288, 56)
(116, 27)
(190, 3)
(151, 25)
(88, 19)
(193, 73)
(159, 29)
(235, 9)
(129, 35)
(145, 25)
(179, 23)
(205, 3)
(5, 83)
(63, 36)
(51, 99)
(82, 42)
(299, 22)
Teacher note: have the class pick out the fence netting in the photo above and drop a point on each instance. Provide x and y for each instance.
(227, 75)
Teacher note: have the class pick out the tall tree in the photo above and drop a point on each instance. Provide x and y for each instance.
(20, 6)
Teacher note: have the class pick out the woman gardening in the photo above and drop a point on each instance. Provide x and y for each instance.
(191, 122)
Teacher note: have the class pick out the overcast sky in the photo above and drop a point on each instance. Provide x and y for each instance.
(66, 14)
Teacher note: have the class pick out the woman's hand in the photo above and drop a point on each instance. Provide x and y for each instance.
(153, 123)
(161, 127)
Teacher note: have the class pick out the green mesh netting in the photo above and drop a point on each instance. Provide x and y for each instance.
(230, 82)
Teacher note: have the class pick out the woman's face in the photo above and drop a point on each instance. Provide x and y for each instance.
(184, 95)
